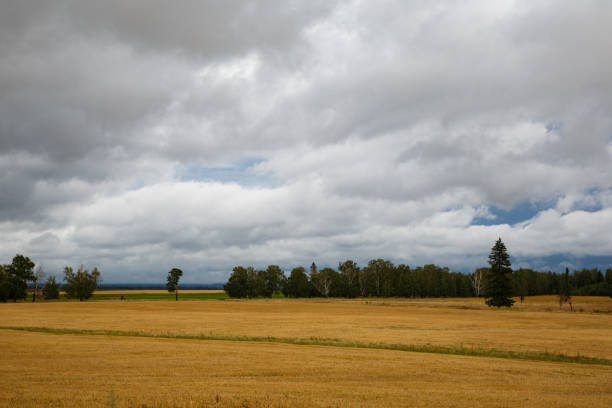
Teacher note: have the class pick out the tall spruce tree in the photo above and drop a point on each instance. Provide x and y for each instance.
(499, 279)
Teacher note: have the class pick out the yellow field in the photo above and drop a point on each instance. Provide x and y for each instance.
(43, 369)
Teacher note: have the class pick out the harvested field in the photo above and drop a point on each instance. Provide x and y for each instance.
(62, 371)
(393, 321)
(51, 369)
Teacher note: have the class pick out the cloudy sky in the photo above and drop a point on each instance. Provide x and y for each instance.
(138, 136)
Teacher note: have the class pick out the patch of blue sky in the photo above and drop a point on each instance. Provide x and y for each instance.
(555, 263)
(554, 127)
(525, 210)
(521, 211)
(242, 173)
(589, 205)
(136, 185)
(558, 262)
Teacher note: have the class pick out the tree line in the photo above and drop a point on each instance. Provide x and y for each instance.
(381, 278)
(15, 277)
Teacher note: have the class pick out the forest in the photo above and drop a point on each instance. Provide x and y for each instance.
(381, 278)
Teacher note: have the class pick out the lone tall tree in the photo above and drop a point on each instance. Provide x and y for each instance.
(499, 279)
(173, 279)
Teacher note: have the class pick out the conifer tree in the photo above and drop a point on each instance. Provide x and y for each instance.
(499, 279)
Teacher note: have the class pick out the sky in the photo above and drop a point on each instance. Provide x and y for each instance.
(138, 136)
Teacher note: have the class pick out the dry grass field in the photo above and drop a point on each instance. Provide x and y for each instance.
(122, 370)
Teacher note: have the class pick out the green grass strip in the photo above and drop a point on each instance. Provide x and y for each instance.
(316, 341)
(158, 296)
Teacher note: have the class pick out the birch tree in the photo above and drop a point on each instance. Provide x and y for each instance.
(478, 281)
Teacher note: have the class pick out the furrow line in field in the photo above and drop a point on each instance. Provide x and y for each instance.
(326, 342)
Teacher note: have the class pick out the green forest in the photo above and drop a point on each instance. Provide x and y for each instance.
(382, 278)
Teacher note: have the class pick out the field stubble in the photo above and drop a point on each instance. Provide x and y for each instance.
(395, 321)
(69, 370)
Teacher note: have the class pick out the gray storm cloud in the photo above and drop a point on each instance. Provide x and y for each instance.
(387, 128)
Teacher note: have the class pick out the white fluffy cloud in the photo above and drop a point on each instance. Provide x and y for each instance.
(364, 130)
